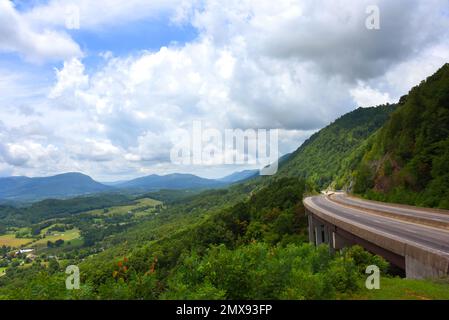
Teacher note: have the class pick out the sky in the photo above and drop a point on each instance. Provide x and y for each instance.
(105, 87)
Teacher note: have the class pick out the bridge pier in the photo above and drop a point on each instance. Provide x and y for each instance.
(320, 232)
(311, 228)
(340, 242)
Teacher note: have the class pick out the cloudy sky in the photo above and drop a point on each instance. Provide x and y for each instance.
(103, 87)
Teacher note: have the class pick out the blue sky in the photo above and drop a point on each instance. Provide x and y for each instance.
(120, 39)
(23, 5)
(142, 35)
(111, 98)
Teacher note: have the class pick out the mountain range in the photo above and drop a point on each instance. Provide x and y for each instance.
(72, 184)
(58, 186)
(170, 181)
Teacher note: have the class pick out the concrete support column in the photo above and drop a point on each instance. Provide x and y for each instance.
(330, 235)
(320, 232)
(340, 242)
(317, 234)
(311, 228)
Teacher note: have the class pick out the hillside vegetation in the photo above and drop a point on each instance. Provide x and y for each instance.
(394, 153)
(407, 161)
(321, 159)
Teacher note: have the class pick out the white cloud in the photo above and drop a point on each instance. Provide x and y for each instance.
(17, 35)
(330, 34)
(412, 71)
(70, 78)
(95, 150)
(365, 96)
(26, 153)
(293, 65)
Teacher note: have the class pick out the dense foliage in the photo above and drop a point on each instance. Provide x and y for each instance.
(407, 161)
(321, 159)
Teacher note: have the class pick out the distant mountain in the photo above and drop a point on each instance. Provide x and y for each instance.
(170, 181)
(58, 186)
(25, 189)
(239, 176)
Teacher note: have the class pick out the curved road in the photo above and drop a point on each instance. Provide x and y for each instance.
(436, 216)
(425, 236)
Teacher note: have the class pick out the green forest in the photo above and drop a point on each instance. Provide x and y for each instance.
(407, 161)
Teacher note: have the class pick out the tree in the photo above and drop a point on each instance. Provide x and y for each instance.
(59, 242)
(53, 266)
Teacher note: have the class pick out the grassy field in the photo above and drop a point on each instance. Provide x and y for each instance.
(143, 207)
(10, 240)
(406, 289)
(67, 235)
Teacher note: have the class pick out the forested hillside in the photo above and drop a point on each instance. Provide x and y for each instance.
(321, 159)
(407, 161)
(394, 153)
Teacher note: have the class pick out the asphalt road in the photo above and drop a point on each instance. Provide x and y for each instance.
(437, 239)
(403, 211)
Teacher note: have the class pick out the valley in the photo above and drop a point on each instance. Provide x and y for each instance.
(63, 238)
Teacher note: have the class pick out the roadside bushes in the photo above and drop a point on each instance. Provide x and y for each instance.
(258, 271)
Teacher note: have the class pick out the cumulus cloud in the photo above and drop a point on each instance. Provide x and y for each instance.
(18, 36)
(70, 78)
(292, 65)
(22, 154)
(365, 96)
(95, 150)
(330, 34)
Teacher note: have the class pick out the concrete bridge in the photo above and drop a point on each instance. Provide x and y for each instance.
(413, 239)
